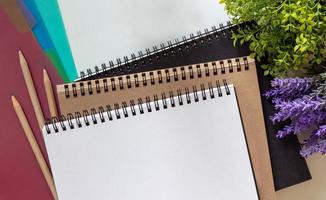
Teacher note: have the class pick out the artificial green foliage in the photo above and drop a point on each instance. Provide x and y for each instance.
(291, 33)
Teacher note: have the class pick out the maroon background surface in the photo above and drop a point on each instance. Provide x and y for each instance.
(20, 175)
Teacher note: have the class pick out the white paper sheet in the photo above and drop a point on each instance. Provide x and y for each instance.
(104, 30)
(195, 151)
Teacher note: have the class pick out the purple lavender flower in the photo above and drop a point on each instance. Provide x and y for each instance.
(321, 131)
(313, 145)
(290, 87)
(304, 122)
(278, 100)
(303, 101)
(292, 109)
(287, 130)
(295, 83)
(307, 120)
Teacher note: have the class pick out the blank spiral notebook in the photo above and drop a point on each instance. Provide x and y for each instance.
(86, 95)
(189, 146)
(139, 36)
(205, 47)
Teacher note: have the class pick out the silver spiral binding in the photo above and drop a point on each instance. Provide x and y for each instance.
(163, 51)
(154, 77)
(138, 107)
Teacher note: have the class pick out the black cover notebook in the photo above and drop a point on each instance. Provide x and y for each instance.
(289, 168)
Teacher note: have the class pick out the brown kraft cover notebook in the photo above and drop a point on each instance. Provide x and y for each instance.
(241, 72)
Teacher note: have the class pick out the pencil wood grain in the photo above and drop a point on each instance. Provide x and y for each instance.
(36, 149)
(31, 90)
(49, 94)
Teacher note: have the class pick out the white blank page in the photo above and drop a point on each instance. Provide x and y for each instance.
(192, 152)
(103, 30)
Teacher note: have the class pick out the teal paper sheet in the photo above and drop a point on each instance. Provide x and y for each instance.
(51, 16)
(41, 34)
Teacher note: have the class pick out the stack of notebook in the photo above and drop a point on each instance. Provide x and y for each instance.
(181, 119)
(172, 133)
(153, 82)
(128, 95)
(134, 38)
(187, 143)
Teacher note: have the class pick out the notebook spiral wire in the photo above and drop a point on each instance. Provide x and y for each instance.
(140, 106)
(154, 77)
(164, 50)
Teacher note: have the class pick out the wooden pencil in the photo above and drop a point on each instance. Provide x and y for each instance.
(36, 149)
(31, 90)
(49, 94)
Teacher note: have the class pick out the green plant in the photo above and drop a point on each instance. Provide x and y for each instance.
(291, 33)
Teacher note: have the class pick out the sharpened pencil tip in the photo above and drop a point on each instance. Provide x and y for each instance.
(22, 59)
(14, 101)
(45, 75)
(20, 53)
